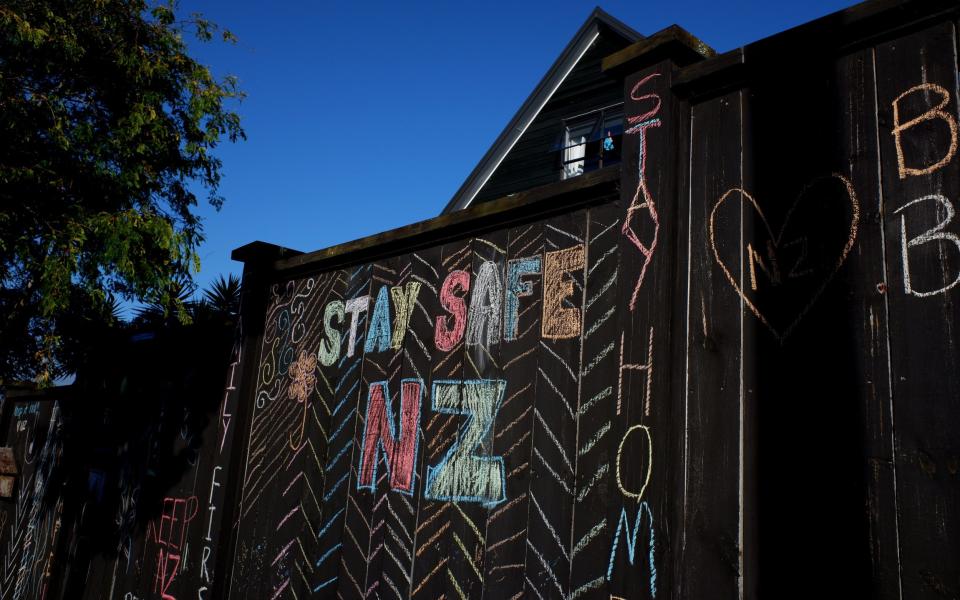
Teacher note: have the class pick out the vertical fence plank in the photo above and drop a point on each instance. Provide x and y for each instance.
(272, 519)
(646, 451)
(30, 520)
(301, 474)
(917, 104)
(804, 254)
(589, 540)
(417, 347)
(229, 443)
(431, 568)
(481, 367)
(712, 518)
(382, 378)
(336, 386)
(353, 552)
(552, 485)
(368, 496)
(865, 276)
(506, 527)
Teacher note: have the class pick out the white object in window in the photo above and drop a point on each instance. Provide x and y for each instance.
(573, 153)
(575, 146)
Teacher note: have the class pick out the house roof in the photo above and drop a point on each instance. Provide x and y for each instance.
(561, 68)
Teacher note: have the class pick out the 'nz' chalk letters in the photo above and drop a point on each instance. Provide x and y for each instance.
(461, 475)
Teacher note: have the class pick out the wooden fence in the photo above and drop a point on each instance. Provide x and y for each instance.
(728, 370)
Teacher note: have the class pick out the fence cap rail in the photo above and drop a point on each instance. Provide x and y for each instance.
(546, 199)
(837, 33)
(262, 252)
(674, 42)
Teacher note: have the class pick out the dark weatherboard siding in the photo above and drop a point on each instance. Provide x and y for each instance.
(535, 159)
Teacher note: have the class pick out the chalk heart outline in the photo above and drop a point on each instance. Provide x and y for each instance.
(851, 239)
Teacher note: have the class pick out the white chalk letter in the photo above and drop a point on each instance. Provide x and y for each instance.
(932, 235)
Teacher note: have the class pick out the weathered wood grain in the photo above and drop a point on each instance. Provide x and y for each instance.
(923, 341)
(714, 395)
(504, 568)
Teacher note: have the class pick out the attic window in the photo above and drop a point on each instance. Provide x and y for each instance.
(591, 141)
(575, 139)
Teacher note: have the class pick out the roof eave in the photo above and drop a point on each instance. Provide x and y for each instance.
(558, 72)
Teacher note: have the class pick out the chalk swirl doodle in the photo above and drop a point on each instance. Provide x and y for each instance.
(298, 326)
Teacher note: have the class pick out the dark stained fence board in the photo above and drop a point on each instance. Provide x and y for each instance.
(593, 453)
(418, 351)
(231, 439)
(552, 485)
(432, 569)
(272, 519)
(645, 506)
(336, 385)
(712, 519)
(504, 566)
(301, 481)
(461, 575)
(29, 522)
(481, 364)
(359, 503)
(672, 564)
(801, 216)
(382, 374)
(922, 325)
(209, 432)
(865, 277)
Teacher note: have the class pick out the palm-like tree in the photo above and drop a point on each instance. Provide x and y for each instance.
(177, 305)
(219, 301)
(223, 295)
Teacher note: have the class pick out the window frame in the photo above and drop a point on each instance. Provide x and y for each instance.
(589, 159)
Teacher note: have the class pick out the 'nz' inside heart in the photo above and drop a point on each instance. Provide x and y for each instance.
(781, 275)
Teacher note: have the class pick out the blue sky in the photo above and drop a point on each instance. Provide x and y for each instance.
(366, 116)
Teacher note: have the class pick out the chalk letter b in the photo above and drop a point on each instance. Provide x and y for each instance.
(936, 112)
(936, 234)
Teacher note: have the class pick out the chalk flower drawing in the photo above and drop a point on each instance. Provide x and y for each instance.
(302, 372)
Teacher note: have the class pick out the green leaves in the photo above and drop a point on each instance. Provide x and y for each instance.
(109, 128)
